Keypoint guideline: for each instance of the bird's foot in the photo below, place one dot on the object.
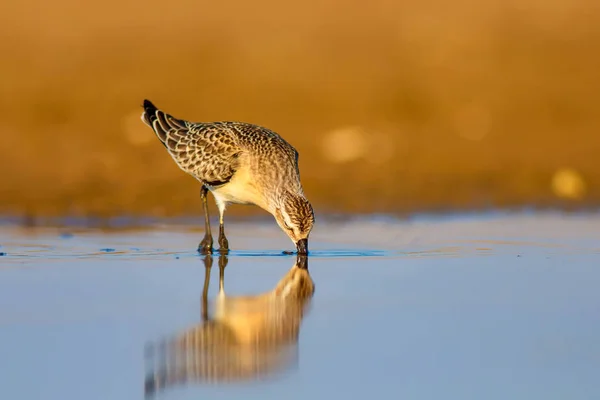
(205, 246)
(205, 250)
(224, 245)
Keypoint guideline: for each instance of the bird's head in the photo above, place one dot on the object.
(295, 217)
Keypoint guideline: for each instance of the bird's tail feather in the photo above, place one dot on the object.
(160, 122)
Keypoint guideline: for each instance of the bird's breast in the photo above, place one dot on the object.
(241, 189)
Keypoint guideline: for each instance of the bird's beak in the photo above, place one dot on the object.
(302, 246)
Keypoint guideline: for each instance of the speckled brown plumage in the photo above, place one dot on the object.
(239, 163)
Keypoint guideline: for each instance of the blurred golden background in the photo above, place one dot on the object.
(393, 106)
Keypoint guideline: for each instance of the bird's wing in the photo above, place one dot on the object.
(264, 141)
(206, 151)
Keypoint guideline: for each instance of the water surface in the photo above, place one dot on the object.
(462, 308)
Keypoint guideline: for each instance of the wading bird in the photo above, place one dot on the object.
(238, 163)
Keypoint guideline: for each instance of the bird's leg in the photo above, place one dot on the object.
(207, 267)
(205, 246)
(223, 242)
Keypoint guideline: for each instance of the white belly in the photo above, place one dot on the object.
(240, 190)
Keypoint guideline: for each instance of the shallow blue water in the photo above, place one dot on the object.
(456, 310)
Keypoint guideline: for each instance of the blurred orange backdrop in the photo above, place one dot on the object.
(393, 106)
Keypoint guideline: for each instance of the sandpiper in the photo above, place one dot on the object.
(238, 163)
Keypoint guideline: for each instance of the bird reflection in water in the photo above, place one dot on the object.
(246, 338)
